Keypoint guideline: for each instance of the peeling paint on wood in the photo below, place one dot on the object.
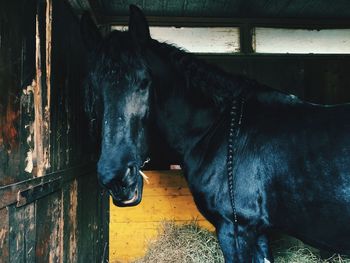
(4, 235)
(9, 145)
(41, 106)
(38, 108)
(57, 232)
(22, 234)
(61, 228)
(8, 130)
(42, 215)
(47, 116)
(27, 108)
(48, 248)
(38, 191)
(9, 194)
(73, 207)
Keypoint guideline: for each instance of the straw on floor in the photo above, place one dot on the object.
(190, 243)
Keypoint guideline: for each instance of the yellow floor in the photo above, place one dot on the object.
(167, 197)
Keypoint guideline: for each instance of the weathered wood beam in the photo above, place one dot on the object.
(30, 190)
(80, 6)
(220, 21)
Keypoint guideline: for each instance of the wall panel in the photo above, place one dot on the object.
(51, 206)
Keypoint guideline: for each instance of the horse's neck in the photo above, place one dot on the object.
(183, 124)
(201, 92)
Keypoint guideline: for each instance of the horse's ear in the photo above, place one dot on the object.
(89, 32)
(138, 25)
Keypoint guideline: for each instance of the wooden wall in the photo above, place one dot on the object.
(316, 78)
(51, 208)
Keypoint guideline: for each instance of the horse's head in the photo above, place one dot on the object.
(120, 83)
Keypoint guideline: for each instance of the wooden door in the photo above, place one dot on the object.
(51, 207)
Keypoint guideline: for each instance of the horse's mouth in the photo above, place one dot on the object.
(134, 200)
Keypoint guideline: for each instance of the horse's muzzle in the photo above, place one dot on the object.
(128, 196)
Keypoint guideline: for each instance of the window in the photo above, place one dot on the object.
(197, 39)
(301, 41)
(268, 40)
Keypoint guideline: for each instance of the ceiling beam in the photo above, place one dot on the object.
(212, 21)
(80, 6)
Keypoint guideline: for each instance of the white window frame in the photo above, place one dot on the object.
(207, 40)
(301, 41)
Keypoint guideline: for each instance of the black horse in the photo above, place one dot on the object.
(255, 158)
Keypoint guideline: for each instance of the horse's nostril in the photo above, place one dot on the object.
(128, 171)
(131, 169)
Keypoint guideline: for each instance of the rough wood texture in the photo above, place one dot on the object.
(70, 217)
(319, 79)
(51, 208)
(17, 70)
(225, 8)
(48, 240)
(167, 197)
(22, 233)
(4, 235)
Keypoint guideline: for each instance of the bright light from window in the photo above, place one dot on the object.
(302, 41)
(197, 39)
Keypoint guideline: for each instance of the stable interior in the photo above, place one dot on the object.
(51, 206)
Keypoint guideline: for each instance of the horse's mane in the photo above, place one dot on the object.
(204, 78)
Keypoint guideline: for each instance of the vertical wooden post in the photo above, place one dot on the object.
(246, 39)
(41, 105)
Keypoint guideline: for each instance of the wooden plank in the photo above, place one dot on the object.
(4, 235)
(9, 193)
(22, 233)
(178, 21)
(103, 225)
(166, 178)
(88, 224)
(81, 207)
(17, 21)
(166, 191)
(167, 195)
(102, 231)
(36, 192)
(157, 208)
(166, 183)
(50, 224)
(41, 123)
(38, 230)
(80, 6)
(70, 217)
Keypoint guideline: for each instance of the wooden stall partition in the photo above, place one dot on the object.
(51, 207)
(320, 79)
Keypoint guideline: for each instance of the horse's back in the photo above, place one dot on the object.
(305, 151)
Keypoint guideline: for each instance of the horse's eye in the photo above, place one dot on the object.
(144, 84)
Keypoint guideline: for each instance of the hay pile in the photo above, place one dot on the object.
(305, 255)
(183, 244)
(190, 243)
